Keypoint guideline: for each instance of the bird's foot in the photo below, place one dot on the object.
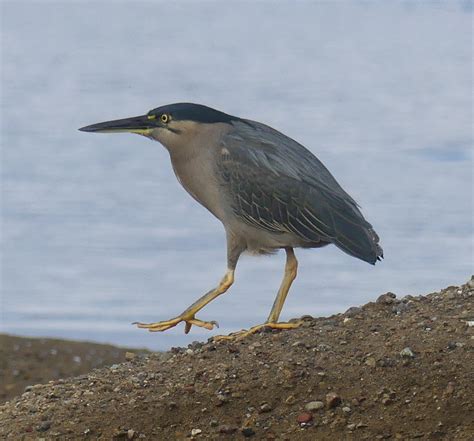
(240, 335)
(167, 324)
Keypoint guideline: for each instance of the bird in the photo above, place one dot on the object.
(269, 191)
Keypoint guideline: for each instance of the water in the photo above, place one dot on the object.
(97, 233)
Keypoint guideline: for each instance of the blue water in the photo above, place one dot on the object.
(96, 231)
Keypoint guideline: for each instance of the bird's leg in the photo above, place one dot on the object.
(291, 269)
(187, 316)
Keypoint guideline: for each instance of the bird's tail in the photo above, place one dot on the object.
(355, 236)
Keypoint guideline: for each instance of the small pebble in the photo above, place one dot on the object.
(370, 361)
(228, 430)
(130, 355)
(265, 407)
(130, 434)
(346, 409)
(407, 353)
(304, 418)
(450, 388)
(386, 299)
(314, 405)
(248, 432)
(353, 311)
(195, 432)
(400, 308)
(44, 426)
(333, 400)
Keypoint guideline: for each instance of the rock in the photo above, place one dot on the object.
(265, 407)
(450, 388)
(353, 311)
(314, 405)
(400, 308)
(228, 430)
(346, 409)
(44, 426)
(298, 343)
(387, 298)
(195, 432)
(407, 353)
(304, 418)
(130, 355)
(213, 423)
(248, 432)
(370, 361)
(130, 432)
(332, 400)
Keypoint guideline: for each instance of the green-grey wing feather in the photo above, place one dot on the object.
(278, 185)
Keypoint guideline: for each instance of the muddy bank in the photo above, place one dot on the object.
(26, 361)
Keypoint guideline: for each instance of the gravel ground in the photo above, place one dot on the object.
(392, 369)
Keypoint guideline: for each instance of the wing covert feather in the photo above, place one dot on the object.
(278, 185)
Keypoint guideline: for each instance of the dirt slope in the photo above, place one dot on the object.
(393, 369)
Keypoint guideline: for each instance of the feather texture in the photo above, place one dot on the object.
(278, 185)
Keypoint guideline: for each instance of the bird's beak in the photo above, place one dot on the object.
(142, 125)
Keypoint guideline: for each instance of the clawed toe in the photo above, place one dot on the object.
(165, 325)
(240, 335)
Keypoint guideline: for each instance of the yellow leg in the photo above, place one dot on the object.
(188, 315)
(291, 269)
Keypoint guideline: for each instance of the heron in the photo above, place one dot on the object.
(269, 192)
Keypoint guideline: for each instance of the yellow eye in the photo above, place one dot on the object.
(164, 118)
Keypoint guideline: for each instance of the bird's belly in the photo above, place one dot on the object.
(261, 241)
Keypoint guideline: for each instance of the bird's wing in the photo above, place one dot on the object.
(277, 184)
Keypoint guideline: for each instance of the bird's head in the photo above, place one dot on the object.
(170, 125)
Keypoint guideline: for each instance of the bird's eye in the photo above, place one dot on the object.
(165, 118)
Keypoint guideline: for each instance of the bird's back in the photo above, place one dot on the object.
(277, 185)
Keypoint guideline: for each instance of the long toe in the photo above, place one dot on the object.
(240, 335)
(167, 324)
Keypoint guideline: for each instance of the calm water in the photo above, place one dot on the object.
(97, 233)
